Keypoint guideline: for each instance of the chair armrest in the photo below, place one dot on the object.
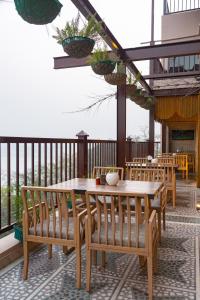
(82, 213)
(152, 217)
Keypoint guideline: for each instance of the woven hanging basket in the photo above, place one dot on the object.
(38, 12)
(148, 104)
(116, 78)
(140, 100)
(103, 67)
(78, 46)
(130, 90)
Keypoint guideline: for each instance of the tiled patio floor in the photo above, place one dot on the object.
(177, 276)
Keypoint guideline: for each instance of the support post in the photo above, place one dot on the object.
(151, 69)
(151, 131)
(121, 125)
(163, 138)
(82, 154)
(129, 156)
(198, 152)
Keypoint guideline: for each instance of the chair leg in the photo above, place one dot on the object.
(150, 276)
(164, 223)
(88, 269)
(49, 251)
(103, 259)
(174, 197)
(65, 249)
(142, 261)
(26, 259)
(78, 267)
(155, 260)
(159, 225)
(94, 256)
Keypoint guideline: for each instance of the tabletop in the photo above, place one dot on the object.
(81, 185)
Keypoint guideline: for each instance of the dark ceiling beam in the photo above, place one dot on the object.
(177, 92)
(173, 75)
(85, 7)
(137, 54)
(163, 50)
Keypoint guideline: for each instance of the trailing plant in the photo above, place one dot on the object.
(73, 28)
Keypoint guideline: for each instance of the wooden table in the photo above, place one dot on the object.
(81, 185)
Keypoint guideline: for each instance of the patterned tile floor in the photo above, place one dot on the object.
(177, 276)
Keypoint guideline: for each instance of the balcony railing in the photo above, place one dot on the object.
(46, 161)
(174, 6)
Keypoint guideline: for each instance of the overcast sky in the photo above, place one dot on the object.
(34, 96)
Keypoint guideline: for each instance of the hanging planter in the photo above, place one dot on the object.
(140, 100)
(38, 12)
(101, 63)
(149, 102)
(117, 78)
(78, 42)
(138, 97)
(103, 67)
(78, 46)
(130, 90)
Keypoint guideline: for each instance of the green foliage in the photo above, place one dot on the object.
(131, 80)
(99, 55)
(73, 28)
(18, 209)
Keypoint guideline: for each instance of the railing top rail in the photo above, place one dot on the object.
(10, 139)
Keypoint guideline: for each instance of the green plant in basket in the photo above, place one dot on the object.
(118, 77)
(78, 39)
(101, 63)
(131, 86)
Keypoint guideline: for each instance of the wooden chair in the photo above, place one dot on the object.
(160, 201)
(119, 234)
(104, 170)
(182, 161)
(147, 174)
(166, 160)
(140, 160)
(48, 219)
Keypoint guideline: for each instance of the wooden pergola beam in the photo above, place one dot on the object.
(172, 75)
(85, 7)
(177, 92)
(137, 54)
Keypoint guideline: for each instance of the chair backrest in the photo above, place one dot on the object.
(166, 160)
(182, 161)
(140, 160)
(48, 212)
(114, 225)
(147, 174)
(104, 170)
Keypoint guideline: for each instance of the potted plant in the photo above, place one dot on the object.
(78, 41)
(131, 86)
(18, 228)
(117, 78)
(149, 102)
(112, 177)
(138, 98)
(38, 12)
(101, 63)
